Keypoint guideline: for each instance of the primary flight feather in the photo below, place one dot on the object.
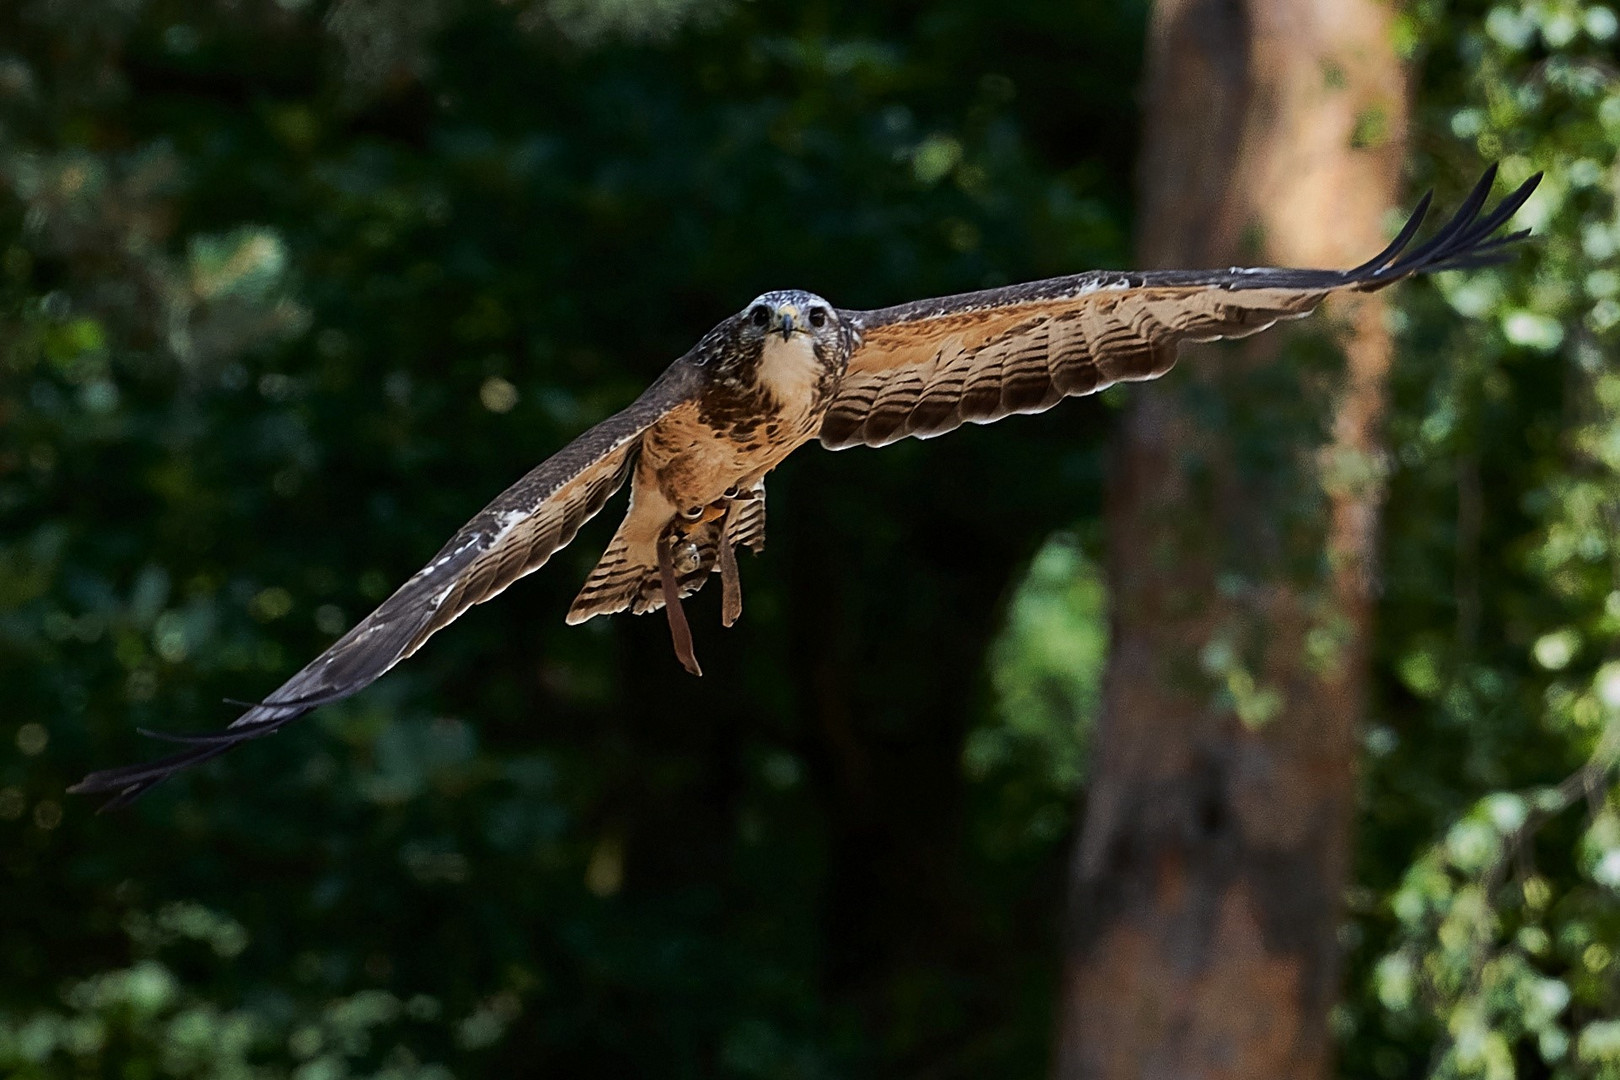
(788, 368)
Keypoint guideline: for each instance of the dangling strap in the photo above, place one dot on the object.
(679, 631)
(730, 580)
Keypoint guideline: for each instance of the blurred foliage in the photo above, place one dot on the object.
(288, 289)
(1486, 918)
(1046, 668)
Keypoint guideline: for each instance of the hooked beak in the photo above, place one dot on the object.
(789, 316)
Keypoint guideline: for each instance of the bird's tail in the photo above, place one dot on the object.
(626, 577)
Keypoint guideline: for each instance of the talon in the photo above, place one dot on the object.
(693, 513)
(731, 492)
(688, 558)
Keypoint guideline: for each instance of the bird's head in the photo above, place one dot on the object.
(786, 313)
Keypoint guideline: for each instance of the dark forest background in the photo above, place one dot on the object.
(289, 289)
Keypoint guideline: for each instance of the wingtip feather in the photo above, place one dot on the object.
(1466, 240)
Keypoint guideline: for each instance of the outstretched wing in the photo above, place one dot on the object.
(511, 537)
(927, 367)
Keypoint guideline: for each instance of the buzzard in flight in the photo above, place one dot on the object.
(789, 368)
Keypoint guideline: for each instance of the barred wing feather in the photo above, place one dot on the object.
(924, 368)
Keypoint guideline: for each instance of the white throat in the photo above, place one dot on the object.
(789, 370)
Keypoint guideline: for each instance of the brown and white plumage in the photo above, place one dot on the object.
(929, 366)
(789, 368)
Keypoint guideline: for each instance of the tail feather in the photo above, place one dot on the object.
(747, 527)
(626, 577)
(617, 580)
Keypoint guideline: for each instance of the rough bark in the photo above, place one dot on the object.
(1208, 876)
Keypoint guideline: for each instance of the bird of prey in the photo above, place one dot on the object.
(789, 368)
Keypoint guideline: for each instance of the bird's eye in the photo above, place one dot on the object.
(760, 315)
(818, 317)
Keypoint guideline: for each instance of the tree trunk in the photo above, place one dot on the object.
(1208, 877)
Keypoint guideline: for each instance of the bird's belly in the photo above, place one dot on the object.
(694, 459)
